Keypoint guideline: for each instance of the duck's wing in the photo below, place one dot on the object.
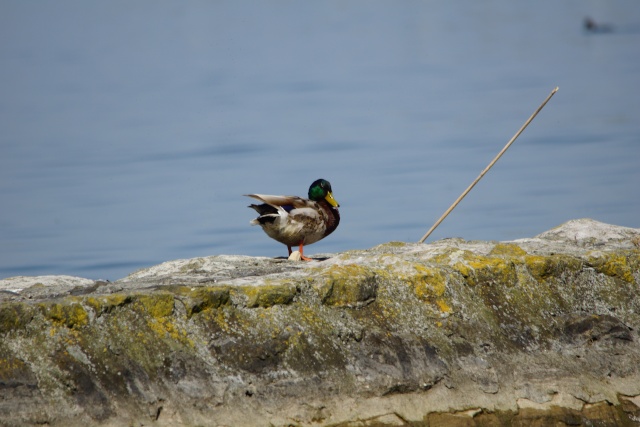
(294, 202)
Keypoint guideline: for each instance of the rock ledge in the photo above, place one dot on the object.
(537, 331)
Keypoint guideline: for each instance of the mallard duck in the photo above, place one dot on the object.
(295, 221)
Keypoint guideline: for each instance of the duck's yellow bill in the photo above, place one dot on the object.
(329, 198)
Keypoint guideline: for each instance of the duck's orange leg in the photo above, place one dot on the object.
(302, 257)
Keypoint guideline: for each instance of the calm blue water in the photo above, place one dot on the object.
(129, 131)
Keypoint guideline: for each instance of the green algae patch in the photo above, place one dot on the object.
(14, 316)
(620, 265)
(69, 314)
(268, 295)
(507, 250)
(348, 286)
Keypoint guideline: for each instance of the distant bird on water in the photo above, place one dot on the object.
(594, 27)
(296, 221)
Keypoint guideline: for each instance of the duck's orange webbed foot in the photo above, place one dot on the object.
(300, 252)
(302, 257)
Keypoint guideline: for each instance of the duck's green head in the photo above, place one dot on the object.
(321, 189)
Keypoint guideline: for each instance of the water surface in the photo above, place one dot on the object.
(130, 131)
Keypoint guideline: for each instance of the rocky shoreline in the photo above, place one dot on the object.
(538, 331)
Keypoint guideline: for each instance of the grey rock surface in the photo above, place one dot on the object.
(449, 333)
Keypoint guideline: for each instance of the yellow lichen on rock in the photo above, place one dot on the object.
(448, 332)
(347, 285)
(618, 265)
(106, 303)
(428, 283)
(65, 314)
(268, 295)
(478, 269)
(9, 366)
(507, 250)
(157, 305)
(167, 328)
(551, 266)
(443, 306)
(14, 316)
(158, 309)
(198, 299)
